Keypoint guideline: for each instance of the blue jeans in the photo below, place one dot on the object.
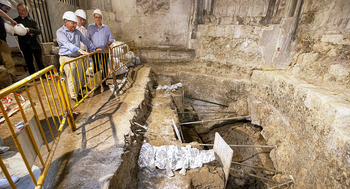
(1, 142)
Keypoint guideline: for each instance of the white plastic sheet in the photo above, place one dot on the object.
(165, 87)
(175, 157)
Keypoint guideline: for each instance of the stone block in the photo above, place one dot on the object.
(47, 47)
(336, 39)
(220, 31)
(5, 78)
(51, 60)
(55, 50)
(166, 55)
(19, 60)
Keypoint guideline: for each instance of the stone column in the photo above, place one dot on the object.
(83, 4)
(94, 4)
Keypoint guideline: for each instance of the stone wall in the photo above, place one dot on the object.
(323, 51)
(290, 66)
(56, 10)
(150, 23)
(310, 125)
(248, 35)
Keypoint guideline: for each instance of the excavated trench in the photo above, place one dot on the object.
(236, 132)
(155, 107)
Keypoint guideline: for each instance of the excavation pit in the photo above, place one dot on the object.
(169, 105)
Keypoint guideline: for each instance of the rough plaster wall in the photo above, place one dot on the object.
(240, 7)
(310, 125)
(234, 47)
(233, 36)
(56, 10)
(153, 23)
(323, 51)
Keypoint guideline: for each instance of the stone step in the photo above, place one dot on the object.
(174, 55)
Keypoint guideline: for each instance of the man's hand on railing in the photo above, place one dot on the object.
(107, 47)
(99, 50)
(83, 52)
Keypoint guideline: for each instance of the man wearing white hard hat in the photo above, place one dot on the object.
(101, 36)
(68, 39)
(5, 52)
(29, 43)
(81, 19)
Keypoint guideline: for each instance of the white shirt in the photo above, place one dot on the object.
(83, 31)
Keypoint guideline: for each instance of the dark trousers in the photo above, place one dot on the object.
(28, 57)
(100, 61)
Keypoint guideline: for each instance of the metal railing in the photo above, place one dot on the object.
(87, 73)
(51, 95)
(55, 106)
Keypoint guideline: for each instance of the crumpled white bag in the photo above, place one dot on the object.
(175, 157)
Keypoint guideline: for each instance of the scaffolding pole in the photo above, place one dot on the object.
(245, 146)
(224, 119)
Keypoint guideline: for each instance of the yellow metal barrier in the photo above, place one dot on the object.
(86, 73)
(57, 109)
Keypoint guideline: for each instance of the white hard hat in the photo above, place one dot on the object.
(9, 29)
(80, 13)
(69, 15)
(6, 2)
(97, 11)
(19, 29)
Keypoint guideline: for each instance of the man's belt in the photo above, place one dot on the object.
(70, 56)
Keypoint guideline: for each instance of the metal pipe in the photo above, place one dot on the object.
(140, 125)
(246, 146)
(18, 144)
(49, 158)
(224, 119)
(49, 105)
(7, 174)
(206, 101)
(252, 175)
(43, 108)
(37, 117)
(53, 99)
(58, 96)
(278, 172)
(207, 112)
(286, 183)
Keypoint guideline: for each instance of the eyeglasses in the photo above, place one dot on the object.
(99, 17)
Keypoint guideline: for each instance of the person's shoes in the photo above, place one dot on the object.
(4, 149)
(4, 183)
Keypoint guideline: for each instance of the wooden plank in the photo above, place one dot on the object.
(225, 154)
